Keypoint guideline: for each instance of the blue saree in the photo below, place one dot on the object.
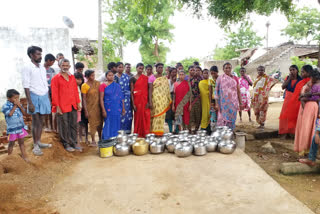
(113, 105)
(126, 120)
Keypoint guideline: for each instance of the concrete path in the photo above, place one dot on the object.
(214, 183)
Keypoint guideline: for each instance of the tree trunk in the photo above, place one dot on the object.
(100, 57)
(121, 51)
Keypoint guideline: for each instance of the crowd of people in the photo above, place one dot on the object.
(80, 105)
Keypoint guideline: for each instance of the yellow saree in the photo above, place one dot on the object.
(205, 103)
(161, 100)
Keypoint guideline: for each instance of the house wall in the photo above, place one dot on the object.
(13, 45)
(219, 63)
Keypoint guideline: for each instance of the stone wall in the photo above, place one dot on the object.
(13, 45)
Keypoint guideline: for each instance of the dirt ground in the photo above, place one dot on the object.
(27, 188)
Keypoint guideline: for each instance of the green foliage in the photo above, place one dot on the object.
(228, 11)
(237, 70)
(296, 61)
(245, 37)
(108, 52)
(186, 62)
(151, 30)
(304, 24)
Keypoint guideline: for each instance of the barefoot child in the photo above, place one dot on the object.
(14, 112)
(81, 125)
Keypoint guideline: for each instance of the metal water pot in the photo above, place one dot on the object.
(212, 145)
(157, 147)
(183, 149)
(170, 144)
(122, 137)
(227, 146)
(200, 149)
(228, 135)
(121, 149)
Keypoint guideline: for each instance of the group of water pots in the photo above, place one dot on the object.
(182, 145)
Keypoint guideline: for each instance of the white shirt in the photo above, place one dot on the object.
(102, 78)
(35, 78)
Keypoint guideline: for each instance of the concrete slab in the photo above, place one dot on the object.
(214, 183)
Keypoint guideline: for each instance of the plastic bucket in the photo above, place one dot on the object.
(106, 147)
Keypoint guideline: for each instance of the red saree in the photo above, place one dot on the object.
(182, 93)
(142, 115)
(293, 105)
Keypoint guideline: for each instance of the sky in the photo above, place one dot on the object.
(193, 37)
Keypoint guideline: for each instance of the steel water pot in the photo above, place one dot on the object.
(227, 147)
(157, 147)
(212, 145)
(183, 149)
(200, 149)
(121, 149)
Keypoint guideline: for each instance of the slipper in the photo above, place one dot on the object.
(307, 161)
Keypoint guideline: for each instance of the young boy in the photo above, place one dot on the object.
(16, 129)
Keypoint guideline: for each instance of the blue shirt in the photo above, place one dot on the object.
(15, 123)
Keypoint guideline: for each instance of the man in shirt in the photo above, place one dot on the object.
(35, 84)
(49, 60)
(66, 102)
(127, 68)
(112, 66)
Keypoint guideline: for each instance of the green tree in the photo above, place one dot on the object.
(186, 62)
(298, 62)
(129, 24)
(304, 24)
(108, 52)
(245, 37)
(228, 11)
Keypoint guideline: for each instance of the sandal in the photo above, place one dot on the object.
(307, 161)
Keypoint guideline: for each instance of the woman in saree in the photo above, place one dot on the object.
(140, 102)
(306, 116)
(161, 100)
(181, 101)
(289, 85)
(260, 101)
(244, 83)
(227, 96)
(112, 105)
(91, 105)
(205, 102)
(123, 80)
(195, 101)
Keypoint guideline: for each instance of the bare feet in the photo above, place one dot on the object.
(93, 144)
(307, 161)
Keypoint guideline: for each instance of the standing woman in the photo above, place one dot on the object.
(124, 81)
(212, 87)
(205, 101)
(140, 101)
(181, 101)
(91, 105)
(228, 98)
(170, 113)
(195, 101)
(149, 71)
(261, 89)
(289, 85)
(112, 105)
(161, 100)
(306, 121)
(244, 83)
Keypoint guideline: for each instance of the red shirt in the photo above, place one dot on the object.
(64, 93)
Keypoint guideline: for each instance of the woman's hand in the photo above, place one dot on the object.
(150, 105)
(104, 114)
(86, 114)
(173, 109)
(123, 112)
(135, 107)
(190, 107)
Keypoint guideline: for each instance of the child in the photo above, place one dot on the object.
(212, 86)
(314, 94)
(82, 121)
(16, 128)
